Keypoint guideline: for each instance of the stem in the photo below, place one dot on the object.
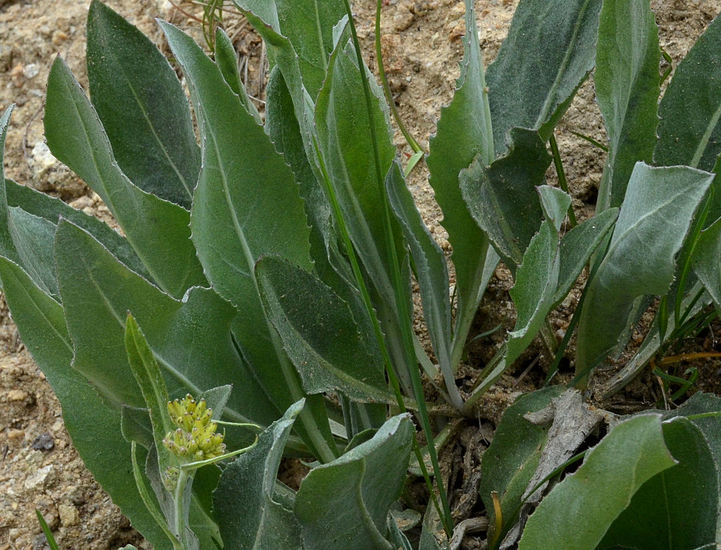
(562, 181)
(179, 507)
(386, 87)
(397, 282)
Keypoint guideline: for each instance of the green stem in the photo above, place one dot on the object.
(386, 87)
(398, 286)
(179, 507)
(562, 181)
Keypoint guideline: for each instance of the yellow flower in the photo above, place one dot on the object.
(196, 436)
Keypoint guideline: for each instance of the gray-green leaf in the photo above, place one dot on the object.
(548, 53)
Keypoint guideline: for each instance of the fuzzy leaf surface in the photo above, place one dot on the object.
(640, 261)
(97, 293)
(631, 454)
(548, 53)
(345, 503)
(319, 334)
(141, 104)
(502, 198)
(158, 230)
(676, 509)
(627, 90)
(249, 516)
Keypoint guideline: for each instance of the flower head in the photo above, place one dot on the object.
(196, 436)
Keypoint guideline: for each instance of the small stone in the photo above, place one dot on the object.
(42, 158)
(68, 515)
(40, 478)
(17, 395)
(43, 442)
(31, 70)
(16, 435)
(59, 37)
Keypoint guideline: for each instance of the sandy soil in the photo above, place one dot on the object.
(421, 47)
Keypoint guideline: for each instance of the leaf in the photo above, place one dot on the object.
(431, 272)
(464, 131)
(227, 61)
(677, 508)
(347, 151)
(689, 131)
(502, 198)
(319, 334)
(705, 262)
(52, 209)
(345, 503)
(555, 204)
(612, 472)
(157, 230)
(246, 205)
(249, 516)
(578, 245)
(308, 26)
(92, 425)
(627, 91)
(33, 240)
(141, 104)
(511, 460)
(149, 378)
(190, 339)
(652, 224)
(536, 283)
(548, 53)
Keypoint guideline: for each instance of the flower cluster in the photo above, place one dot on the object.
(196, 437)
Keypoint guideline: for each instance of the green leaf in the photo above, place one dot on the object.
(52, 209)
(578, 245)
(627, 91)
(247, 203)
(431, 272)
(249, 516)
(319, 334)
(652, 224)
(191, 339)
(345, 503)
(502, 198)
(555, 204)
(33, 240)
(149, 378)
(93, 426)
(347, 151)
(536, 283)
(157, 230)
(142, 106)
(548, 53)
(705, 260)
(510, 462)
(308, 26)
(227, 61)
(464, 131)
(677, 508)
(631, 454)
(690, 131)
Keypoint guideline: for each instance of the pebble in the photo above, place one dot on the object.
(68, 515)
(43, 442)
(16, 435)
(17, 395)
(39, 478)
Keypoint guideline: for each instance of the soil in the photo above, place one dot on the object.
(421, 47)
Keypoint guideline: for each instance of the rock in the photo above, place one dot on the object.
(40, 478)
(17, 395)
(43, 442)
(15, 435)
(68, 515)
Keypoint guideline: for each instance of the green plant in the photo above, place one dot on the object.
(268, 271)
